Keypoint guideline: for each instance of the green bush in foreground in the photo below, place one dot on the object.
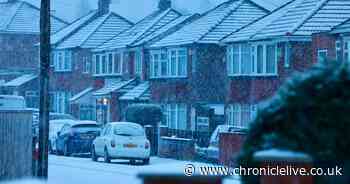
(310, 114)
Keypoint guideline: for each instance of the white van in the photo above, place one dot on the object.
(11, 102)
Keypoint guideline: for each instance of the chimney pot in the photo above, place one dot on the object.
(103, 6)
(164, 4)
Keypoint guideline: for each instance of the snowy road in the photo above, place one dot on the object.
(74, 170)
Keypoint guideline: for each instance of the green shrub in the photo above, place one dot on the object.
(310, 114)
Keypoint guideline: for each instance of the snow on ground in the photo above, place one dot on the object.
(73, 170)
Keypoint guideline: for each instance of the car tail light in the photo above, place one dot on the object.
(112, 143)
(146, 145)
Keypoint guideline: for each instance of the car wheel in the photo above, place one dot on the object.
(145, 161)
(106, 156)
(93, 154)
(65, 150)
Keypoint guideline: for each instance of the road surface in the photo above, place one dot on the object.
(76, 170)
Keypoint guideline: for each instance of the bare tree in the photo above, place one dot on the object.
(44, 88)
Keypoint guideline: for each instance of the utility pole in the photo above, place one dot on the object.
(44, 88)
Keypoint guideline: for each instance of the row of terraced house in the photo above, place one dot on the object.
(203, 70)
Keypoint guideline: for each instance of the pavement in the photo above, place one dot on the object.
(75, 170)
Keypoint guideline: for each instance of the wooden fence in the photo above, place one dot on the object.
(15, 144)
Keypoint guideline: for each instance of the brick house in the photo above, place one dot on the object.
(71, 67)
(332, 45)
(188, 70)
(120, 64)
(19, 32)
(262, 55)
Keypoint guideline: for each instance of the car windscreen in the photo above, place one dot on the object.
(84, 128)
(129, 130)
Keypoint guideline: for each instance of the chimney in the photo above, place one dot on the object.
(164, 4)
(103, 6)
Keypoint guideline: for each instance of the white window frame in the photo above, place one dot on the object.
(60, 106)
(346, 49)
(107, 66)
(177, 109)
(138, 63)
(254, 59)
(169, 63)
(61, 60)
(319, 51)
(237, 109)
(338, 49)
(87, 65)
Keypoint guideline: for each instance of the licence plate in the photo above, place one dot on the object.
(130, 145)
(86, 136)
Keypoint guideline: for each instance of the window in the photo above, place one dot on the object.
(86, 65)
(175, 116)
(110, 63)
(346, 51)
(138, 63)
(62, 60)
(322, 55)
(172, 63)
(287, 54)
(87, 112)
(117, 63)
(338, 53)
(240, 115)
(61, 102)
(246, 59)
(32, 99)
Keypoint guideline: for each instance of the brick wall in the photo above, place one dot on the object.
(18, 52)
(74, 81)
(324, 41)
(256, 89)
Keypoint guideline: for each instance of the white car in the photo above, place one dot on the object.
(122, 140)
(54, 127)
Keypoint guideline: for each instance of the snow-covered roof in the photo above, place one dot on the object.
(141, 30)
(342, 28)
(81, 94)
(140, 92)
(112, 86)
(22, 17)
(216, 24)
(270, 4)
(182, 20)
(297, 18)
(20, 80)
(90, 31)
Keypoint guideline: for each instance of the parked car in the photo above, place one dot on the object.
(122, 140)
(212, 152)
(54, 128)
(55, 116)
(76, 137)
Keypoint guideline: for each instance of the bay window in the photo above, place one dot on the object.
(171, 63)
(175, 116)
(62, 60)
(86, 65)
(108, 64)
(240, 115)
(250, 60)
